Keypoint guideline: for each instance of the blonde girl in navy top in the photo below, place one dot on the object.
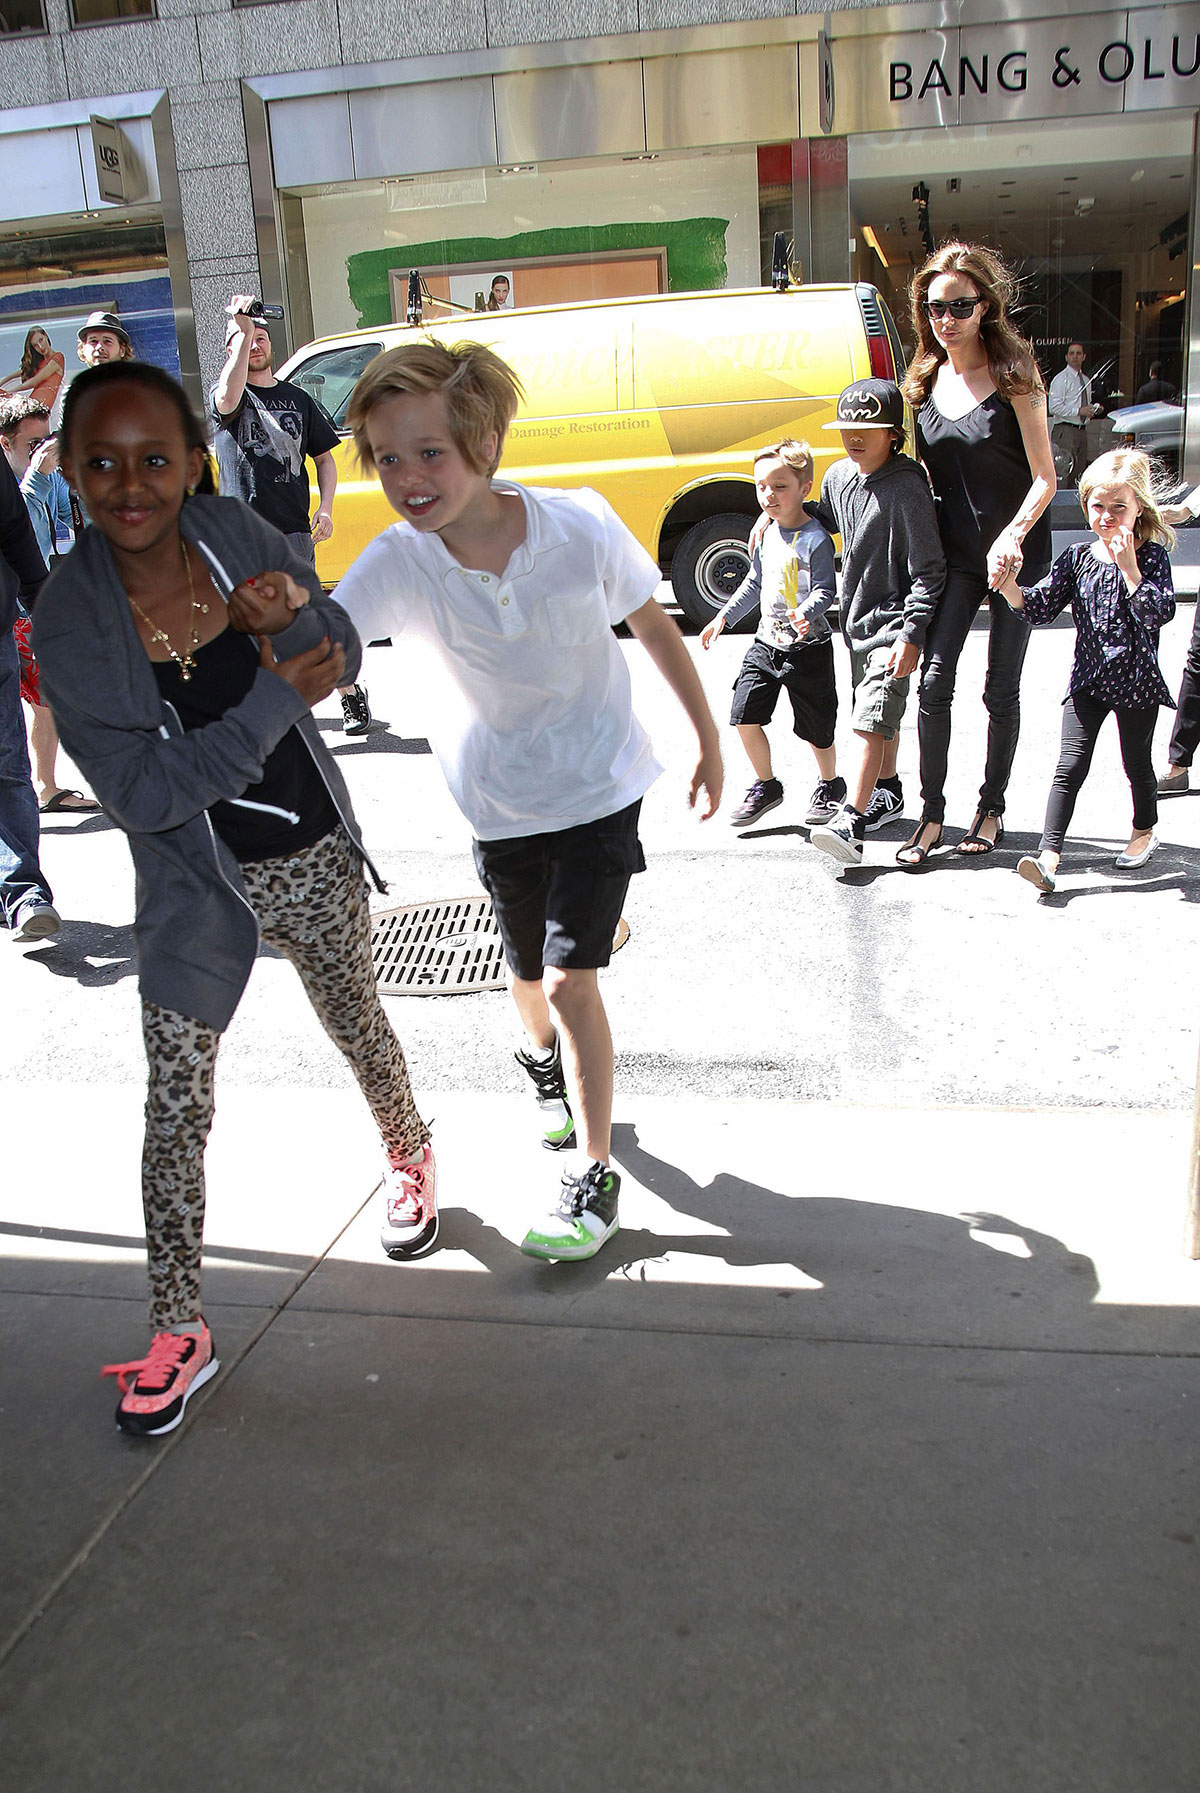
(1120, 591)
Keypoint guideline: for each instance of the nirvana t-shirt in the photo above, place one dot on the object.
(261, 448)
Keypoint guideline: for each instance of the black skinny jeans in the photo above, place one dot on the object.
(1185, 736)
(1083, 718)
(1007, 642)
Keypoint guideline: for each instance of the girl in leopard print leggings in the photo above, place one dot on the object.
(182, 677)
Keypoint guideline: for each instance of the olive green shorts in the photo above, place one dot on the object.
(879, 699)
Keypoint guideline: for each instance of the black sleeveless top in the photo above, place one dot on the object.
(290, 807)
(980, 474)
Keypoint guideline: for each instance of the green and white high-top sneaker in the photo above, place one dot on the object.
(545, 1071)
(585, 1217)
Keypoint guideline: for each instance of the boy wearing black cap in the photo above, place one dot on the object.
(893, 570)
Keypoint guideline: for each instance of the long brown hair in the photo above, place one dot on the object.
(31, 358)
(1011, 360)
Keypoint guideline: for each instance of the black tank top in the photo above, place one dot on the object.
(291, 807)
(980, 474)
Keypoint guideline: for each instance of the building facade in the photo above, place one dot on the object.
(158, 155)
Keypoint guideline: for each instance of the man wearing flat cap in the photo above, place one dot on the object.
(102, 337)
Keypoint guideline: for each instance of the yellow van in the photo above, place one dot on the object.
(659, 403)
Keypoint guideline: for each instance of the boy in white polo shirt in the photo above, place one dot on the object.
(514, 592)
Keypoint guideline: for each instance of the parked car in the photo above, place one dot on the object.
(658, 403)
(1157, 429)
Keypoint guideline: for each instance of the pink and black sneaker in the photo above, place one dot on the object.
(410, 1216)
(156, 1388)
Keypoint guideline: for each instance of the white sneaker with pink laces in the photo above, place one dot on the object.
(410, 1216)
(156, 1388)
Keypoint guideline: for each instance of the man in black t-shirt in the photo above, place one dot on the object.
(265, 430)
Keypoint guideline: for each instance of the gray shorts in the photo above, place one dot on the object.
(879, 699)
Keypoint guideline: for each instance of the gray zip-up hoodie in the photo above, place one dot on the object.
(196, 934)
(893, 568)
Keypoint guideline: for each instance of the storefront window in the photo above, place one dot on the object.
(107, 12)
(55, 279)
(501, 238)
(22, 16)
(1094, 218)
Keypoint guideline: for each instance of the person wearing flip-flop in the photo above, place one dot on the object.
(982, 436)
(32, 453)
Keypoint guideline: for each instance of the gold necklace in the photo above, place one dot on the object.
(187, 661)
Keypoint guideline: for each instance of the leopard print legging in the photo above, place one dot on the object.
(313, 909)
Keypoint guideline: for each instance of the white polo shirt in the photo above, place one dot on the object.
(532, 714)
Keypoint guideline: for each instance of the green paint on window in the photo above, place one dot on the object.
(695, 256)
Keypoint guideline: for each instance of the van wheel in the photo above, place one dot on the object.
(708, 566)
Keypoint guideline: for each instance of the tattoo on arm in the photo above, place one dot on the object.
(1036, 401)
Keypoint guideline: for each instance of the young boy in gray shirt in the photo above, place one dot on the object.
(893, 570)
(792, 579)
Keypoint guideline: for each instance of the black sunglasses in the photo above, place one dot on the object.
(958, 308)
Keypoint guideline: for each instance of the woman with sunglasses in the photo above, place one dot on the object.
(983, 436)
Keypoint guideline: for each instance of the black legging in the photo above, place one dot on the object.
(1007, 642)
(1083, 718)
(1185, 736)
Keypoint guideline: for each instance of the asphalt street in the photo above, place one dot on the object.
(754, 969)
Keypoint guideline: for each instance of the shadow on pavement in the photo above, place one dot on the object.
(63, 823)
(379, 740)
(94, 953)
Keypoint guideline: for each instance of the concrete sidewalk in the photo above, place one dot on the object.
(803, 1483)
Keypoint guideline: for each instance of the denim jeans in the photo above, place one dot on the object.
(20, 874)
(305, 547)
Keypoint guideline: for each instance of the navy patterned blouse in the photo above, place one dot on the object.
(1116, 630)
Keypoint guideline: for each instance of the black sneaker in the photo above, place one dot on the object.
(356, 711)
(887, 803)
(840, 838)
(764, 794)
(558, 1129)
(585, 1217)
(825, 801)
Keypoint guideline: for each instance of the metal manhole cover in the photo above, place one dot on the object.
(444, 949)
(438, 949)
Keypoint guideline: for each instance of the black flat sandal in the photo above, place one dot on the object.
(912, 855)
(981, 847)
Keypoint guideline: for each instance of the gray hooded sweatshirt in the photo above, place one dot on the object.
(196, 934)
(893, 567)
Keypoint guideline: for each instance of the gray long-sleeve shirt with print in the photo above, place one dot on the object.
(792, 578)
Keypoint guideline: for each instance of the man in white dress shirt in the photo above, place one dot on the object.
(1070, 406)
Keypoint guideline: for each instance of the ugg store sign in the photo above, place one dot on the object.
(983, 74)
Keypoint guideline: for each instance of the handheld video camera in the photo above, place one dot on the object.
(257, 309)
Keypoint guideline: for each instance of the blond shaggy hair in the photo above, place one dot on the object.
(1130, 467)
(796, 455)
(482, 395)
